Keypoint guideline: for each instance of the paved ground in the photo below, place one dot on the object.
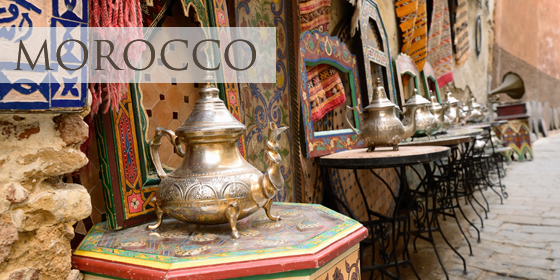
(521, 238)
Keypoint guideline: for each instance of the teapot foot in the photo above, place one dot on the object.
(159, 213)
(266, 207)
(232, 213)
(395, 148)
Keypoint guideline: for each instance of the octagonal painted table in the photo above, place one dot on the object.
(310, 242)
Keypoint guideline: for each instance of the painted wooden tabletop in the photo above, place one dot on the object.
(307, 237)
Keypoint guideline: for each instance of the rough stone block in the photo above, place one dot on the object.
(9, 235)
(54, 204)
(72, 128)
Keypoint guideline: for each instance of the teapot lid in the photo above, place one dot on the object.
(210, 116)
(450, 98)
(434, 105)
(379, 99)
(473, 103)
(416, 100)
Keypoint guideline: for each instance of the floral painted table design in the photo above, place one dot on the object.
(310, 242)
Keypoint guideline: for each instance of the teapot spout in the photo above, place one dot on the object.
(409, 122)
(264, 189)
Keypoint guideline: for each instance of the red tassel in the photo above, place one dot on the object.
(112, 13)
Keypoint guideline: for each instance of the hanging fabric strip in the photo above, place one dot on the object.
(325, 87)
(117, 13)
(440, 49)
(315, 15)
(326, 91)
(413, 24)
(462, 51)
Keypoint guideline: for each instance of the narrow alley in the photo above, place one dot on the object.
(521, 238)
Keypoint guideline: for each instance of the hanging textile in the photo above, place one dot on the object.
(413, 24)
(355, 22)
(325, 87)
(326, 91)
(315, 15)
(461, 42)
(117, 13)
(440, 49)
(153, 12)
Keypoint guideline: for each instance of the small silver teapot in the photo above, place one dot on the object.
(439, 111)
(381, 126)
(476, 114)
(453, 108)
(426, 123)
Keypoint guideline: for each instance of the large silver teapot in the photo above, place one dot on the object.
(381, 126)
(214, 184)
(426, 123)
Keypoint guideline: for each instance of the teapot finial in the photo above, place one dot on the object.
(209, 78)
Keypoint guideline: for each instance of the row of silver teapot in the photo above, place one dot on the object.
(382, 127)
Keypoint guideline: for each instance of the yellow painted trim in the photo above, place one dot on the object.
(196, 263)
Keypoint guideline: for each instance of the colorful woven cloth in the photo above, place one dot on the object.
(462, 51)
(413, 24)
(440, 49)
(315, 15)
(326, 91)
(117, 13)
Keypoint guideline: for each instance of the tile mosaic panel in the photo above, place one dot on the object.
(63, 92)
(376, 48)
(264, 103)
(168, 106)
(516, 135)
(316, 48)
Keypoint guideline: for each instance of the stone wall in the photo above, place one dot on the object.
(37, 209)
(539, 86)
(527, 40)
(474, 74)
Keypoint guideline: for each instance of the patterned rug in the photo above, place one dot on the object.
(462, 51)
(315, 15)
(440, 50)
(326, 91)
(413, 24)
(325, 88)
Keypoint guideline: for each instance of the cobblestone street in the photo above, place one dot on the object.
(520, 239)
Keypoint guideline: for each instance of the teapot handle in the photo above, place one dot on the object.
(355, 108)
(154, 148)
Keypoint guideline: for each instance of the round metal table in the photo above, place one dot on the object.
(410, 201)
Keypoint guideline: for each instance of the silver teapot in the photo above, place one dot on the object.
(452, 108)
(442, 121)
(381, 126)
(426, 123)
(476, 112)
(214, 184)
